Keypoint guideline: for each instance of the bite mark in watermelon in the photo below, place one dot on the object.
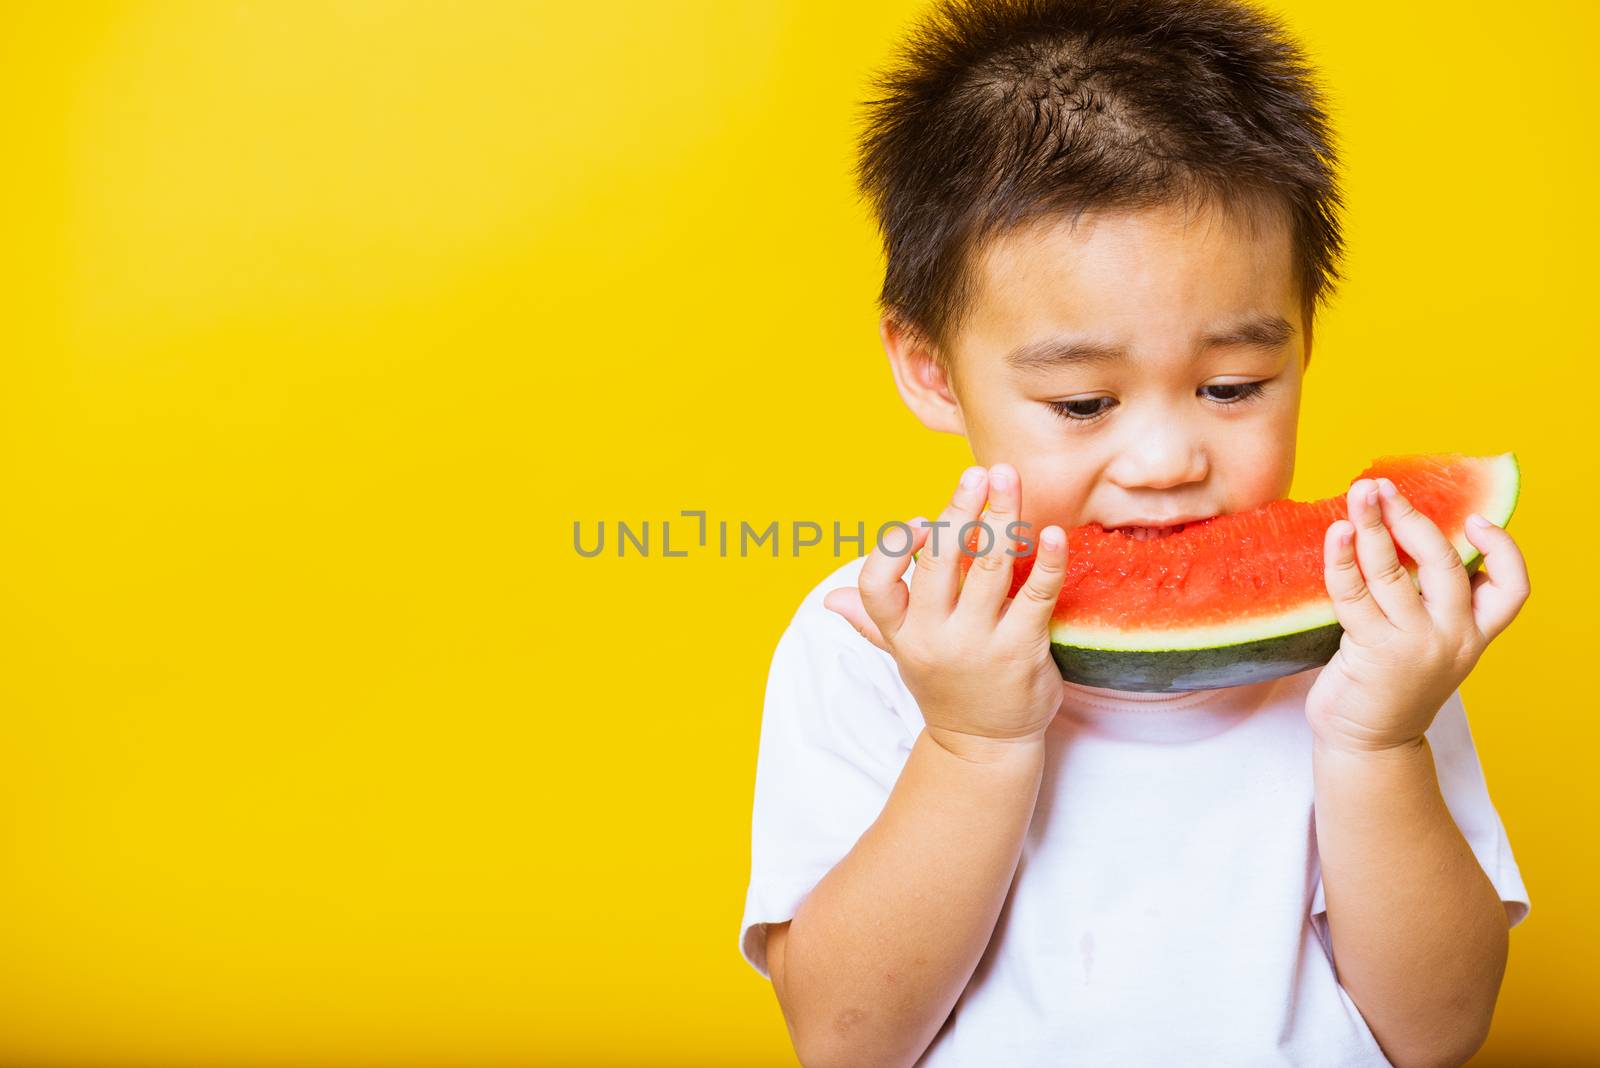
(1240, 598)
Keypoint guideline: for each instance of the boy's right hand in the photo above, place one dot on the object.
(977, 661)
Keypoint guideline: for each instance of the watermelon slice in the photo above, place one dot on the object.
(1240, 598)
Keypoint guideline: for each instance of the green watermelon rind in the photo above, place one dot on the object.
(1219, 657)
(1212, 668)
(1498, 513)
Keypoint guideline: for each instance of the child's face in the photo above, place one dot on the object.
(1149, 422)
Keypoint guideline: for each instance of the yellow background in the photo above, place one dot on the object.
(323, 322)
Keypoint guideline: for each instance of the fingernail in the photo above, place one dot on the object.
(1386, 487)
(1000, 478)
(1051, 538)
(1371, 495)
(1478, 521)
(971, 477)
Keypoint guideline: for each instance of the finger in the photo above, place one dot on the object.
(1391, 584)
(1028, 614)
(988, 582)
(1501, 585)
(1358, 613)
(1445, 589)
(938, 574)
(846, 600)
(883, 597)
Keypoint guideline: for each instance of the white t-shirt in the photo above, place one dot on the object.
(1167, 908)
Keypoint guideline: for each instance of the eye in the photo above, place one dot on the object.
(1074, 410)
(1237, 392)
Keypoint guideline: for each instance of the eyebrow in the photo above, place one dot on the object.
(1257, 331)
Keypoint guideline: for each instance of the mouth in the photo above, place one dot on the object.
(1150, 531)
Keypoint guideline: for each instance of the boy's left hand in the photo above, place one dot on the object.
(1403, 652)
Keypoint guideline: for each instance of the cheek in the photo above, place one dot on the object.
(1264, 481)
(1024, 434)
(1260, 461)
(1056, 469)
(1052, 492)
(1007, 428)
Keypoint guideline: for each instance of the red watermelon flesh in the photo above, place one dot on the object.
(1238, 598)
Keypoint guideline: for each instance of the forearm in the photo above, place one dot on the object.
(880, 950)
(1419, 934)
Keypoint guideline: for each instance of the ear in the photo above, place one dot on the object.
(1308, 320)
(921, 380)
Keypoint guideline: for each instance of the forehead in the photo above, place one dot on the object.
(1173, 268)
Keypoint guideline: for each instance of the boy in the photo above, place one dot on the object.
(1108, 225)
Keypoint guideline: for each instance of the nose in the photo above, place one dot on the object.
(1162, 454)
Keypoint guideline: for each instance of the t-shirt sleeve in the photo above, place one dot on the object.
(1466, 795)
(832, 746)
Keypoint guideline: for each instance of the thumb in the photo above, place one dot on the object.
(846, 601)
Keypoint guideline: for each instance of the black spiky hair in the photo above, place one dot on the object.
(996, 113)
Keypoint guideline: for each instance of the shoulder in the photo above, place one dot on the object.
(846, 574)
(819, 624)
(820, 652)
